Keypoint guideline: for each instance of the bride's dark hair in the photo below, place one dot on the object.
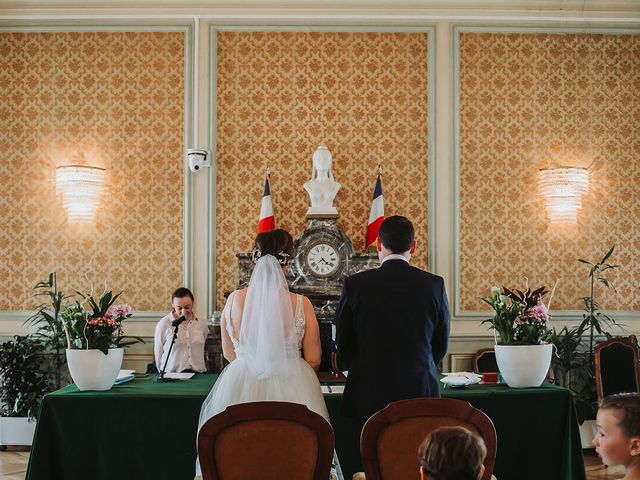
(278, 243)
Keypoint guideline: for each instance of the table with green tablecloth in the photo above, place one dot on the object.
(146, 430)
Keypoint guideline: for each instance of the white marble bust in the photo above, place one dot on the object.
(322, 188)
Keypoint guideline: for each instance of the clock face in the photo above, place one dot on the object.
(323, 260)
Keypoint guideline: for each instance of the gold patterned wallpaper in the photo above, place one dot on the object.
(108, 99)
(281, 94)
(530, 101)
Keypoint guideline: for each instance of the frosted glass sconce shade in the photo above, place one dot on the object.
(80, 187)
(562, 189)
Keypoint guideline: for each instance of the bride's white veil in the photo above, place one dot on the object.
(268, 339)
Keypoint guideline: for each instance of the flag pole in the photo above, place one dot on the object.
(266, 221)
(376, 215)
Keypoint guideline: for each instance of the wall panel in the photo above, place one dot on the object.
(534, 100)
(110, 99)
(280, 94)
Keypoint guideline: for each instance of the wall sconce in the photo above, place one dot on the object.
(563, 188)
(81, 187)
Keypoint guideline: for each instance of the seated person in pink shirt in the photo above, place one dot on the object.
(187, 354)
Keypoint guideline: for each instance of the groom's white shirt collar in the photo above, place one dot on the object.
(394, 256)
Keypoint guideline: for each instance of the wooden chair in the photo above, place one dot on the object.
(266, 440)
(484, 360)
(617, 368)
(391, 437)
(335, 375)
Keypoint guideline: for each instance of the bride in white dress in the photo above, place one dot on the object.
(270, 337)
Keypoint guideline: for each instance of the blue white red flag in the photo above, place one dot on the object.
(267, 220)
(376, 216)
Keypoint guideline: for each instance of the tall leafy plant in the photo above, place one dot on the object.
(48, 327)
(573, 365)
(594, 319)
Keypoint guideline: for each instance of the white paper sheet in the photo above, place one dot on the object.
(179, 376)
(332, 388)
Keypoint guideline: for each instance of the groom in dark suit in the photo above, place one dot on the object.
(392, 327)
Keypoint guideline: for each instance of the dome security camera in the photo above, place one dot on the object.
(197, 159)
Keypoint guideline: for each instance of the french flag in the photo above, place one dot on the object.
(267, 220)
(376, 216)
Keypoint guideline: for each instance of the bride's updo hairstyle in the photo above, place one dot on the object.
(278, 243)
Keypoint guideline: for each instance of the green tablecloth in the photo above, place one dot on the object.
(145, 430)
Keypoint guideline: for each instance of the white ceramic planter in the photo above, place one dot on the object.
(16, 430)
(524, 365)
(92, 369)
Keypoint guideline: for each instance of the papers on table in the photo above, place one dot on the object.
(460, 379)
(179, 376)
(332, 388)
(124, 376)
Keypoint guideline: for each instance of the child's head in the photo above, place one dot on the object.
(278, 243)
(452, 453)
(182, 302)
(617, 440)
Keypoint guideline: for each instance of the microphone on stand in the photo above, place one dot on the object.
(175, 324)
(178, 321)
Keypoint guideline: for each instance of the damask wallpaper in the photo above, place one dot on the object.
(113, 100)
(281, 94)
(530, 101)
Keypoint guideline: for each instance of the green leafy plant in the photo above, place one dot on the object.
(573, 365)
(594, 319)
(520, 317)
(23, 380)
(48, 327)
(61, 322)
(99, 326)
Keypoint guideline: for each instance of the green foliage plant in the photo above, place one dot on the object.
(48, 326)
(23, 380)
(573, 365)
(520, 317)
(98, 326)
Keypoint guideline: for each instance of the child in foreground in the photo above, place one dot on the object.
(452, 453)
(617, 440)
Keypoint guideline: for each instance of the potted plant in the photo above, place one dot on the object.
(89, 331)
(23, 383)
(521, 333)
(574, 367)
(96, 340)
(48, 328)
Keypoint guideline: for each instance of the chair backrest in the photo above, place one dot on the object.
(484, 360)
(266, 440)
(617, 369)
(391, 437)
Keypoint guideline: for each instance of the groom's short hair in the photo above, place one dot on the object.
(396, 234)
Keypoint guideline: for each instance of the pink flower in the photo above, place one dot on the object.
(539, 311)
(120, 311)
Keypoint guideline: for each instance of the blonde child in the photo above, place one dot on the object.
(452, 453)
(617, 440)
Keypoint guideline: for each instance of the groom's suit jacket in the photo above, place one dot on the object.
(392, 331)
